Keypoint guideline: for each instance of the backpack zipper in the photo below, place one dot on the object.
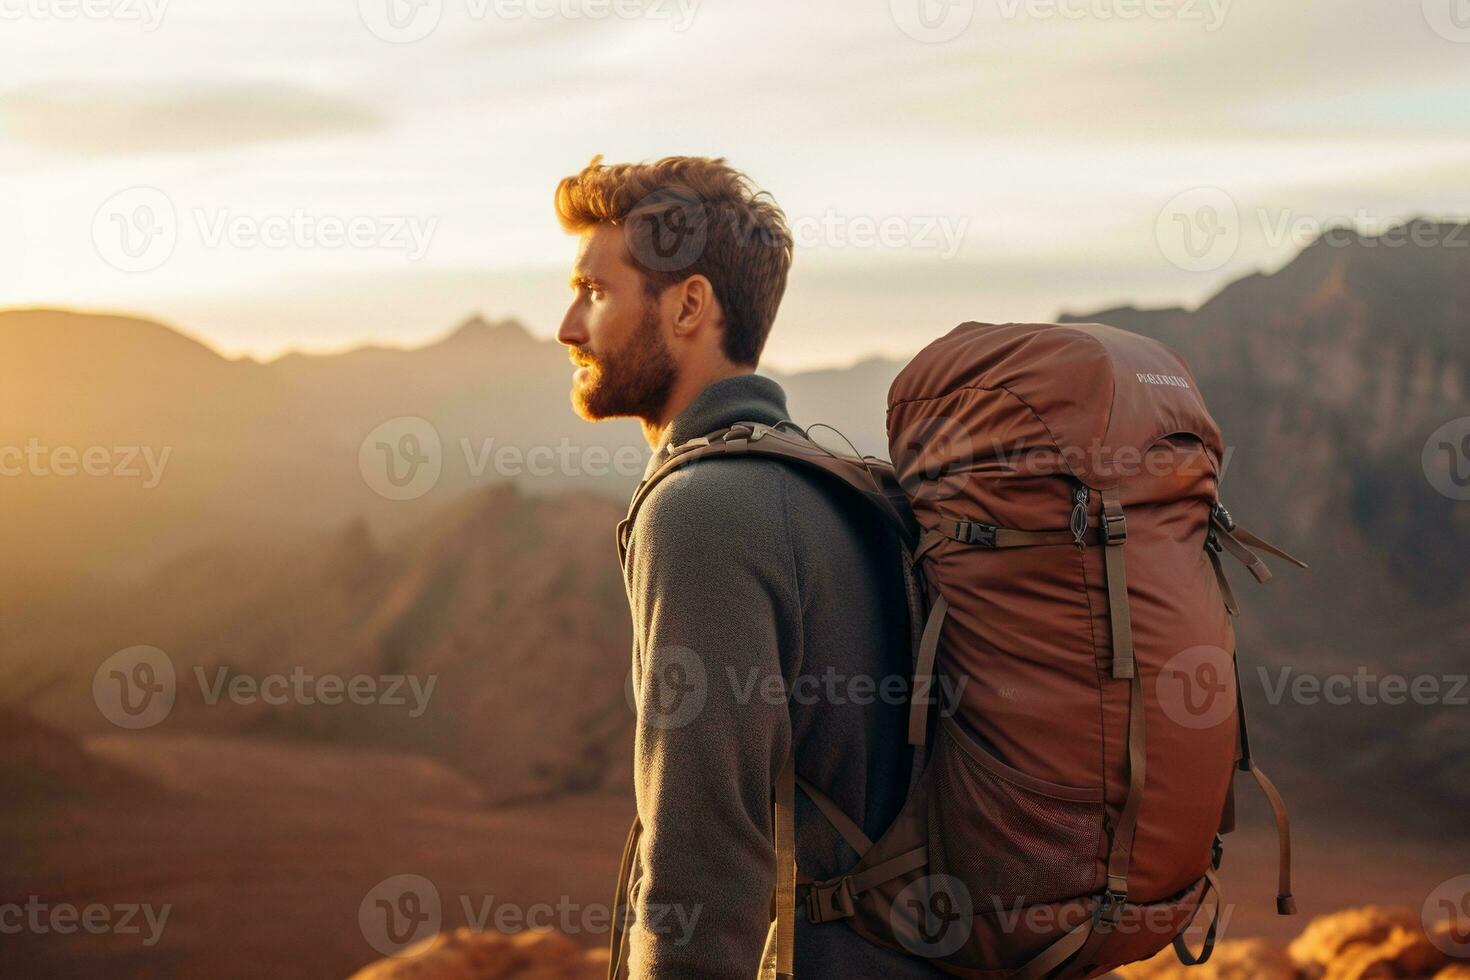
(1079, 515)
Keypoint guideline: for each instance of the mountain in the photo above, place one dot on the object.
(1328, 378)
(268, 545)
(468, 629)
(193, 449)
(190, 448)
(1337, 369)
(40, 764)
(268, 550)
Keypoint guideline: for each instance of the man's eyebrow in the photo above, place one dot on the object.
(584, 281)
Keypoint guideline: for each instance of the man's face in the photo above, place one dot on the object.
(614, 333)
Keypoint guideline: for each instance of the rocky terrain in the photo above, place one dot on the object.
(264, 552)
(1367, 943)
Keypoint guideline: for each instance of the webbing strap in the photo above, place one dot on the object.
(785, 832)
(990, 536)
(841, 822)
(1226, 593)
(1253, 541)
(1285, 902)
(1244, 555)
(1057, 953)
(890, 869)
(1085, 938)
(1238, 541)
(1243, 734)
(1181, 948)
(1114, 533)
(620, 901)
(1121, 851)
(831, 900)
(919, 697)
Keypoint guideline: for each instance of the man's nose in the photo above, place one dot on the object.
(571, 332)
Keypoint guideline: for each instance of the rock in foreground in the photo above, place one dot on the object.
(469, 955)
(1367, 943)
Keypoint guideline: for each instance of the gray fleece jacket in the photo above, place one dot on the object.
(746, 579)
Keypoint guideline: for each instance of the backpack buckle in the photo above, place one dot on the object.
(974, 532)
(684, 447)
(1115, 528)
(1219, 513)
(1109, 910)
(738, 431)
(828, 901)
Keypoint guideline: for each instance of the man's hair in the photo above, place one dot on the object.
(686, 216)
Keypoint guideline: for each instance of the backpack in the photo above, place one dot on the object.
(1055, 489)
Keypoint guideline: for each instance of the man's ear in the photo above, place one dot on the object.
(698, 308)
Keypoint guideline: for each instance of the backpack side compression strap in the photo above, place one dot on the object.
(1226, 536)
(1083, 941)
(1114, 534)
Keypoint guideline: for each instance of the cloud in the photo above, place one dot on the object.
(99, 120)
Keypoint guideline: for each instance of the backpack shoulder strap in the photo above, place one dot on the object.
(870, 478)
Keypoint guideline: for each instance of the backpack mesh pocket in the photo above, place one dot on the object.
(1006, 835)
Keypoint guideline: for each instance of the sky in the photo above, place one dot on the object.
(270, 175)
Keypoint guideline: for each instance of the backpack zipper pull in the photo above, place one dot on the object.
(1079, 515)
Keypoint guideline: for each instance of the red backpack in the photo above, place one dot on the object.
(1056, 491)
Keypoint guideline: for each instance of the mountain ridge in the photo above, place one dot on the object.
(266, 546)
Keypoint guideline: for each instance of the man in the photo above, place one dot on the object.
(747, 579)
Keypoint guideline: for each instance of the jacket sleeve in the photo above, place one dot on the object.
(716, 615)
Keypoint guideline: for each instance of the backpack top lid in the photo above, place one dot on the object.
(1103, 394)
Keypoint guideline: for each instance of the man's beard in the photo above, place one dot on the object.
(634, 380)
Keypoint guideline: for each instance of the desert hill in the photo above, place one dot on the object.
(507, 604)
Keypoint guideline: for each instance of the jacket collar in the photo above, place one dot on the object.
(741, 398)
